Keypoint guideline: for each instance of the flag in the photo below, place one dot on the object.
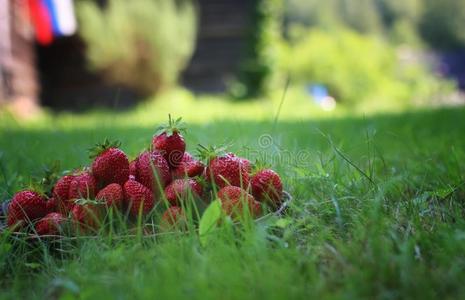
(41, 21)
(52, 18)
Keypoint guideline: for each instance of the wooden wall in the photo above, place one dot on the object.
(18, 58)
(221, 40)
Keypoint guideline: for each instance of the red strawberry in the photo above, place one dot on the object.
(133, 168)
(61, 193)
(50, 224)
(246, 163)
(225, 169)
(61, 188)
(87, 215)
(232, 200)
(25, 207)
(52, 205)
(180, 189)
(170, 142)
(110, 164)
(174, 215)
(112, 194)
(152, 170)
(188, 167)
(138, 197)
(83, 186)
(267, 186)
(187, 157)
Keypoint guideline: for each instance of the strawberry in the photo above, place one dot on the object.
(112, 195)
(87, 215)
(225, 169)
(173, 216)
(133, 168)
(61, 193)
(187, 157)
(180, 189)
(232, 199)
(246, 163)
(138, 197)
(83, 186)
(111, 165)
(188, 167)
(51, 224)
(52, 205)
(170, 142)
(26, 207)
(267, 186)
(153, 171)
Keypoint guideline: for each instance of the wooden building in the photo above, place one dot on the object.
(221, 40)
(61, 72)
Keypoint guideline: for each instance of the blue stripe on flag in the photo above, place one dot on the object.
(53, 16)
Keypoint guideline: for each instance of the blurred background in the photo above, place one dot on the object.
(333, 55)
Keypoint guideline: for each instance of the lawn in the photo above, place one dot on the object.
(378, 212)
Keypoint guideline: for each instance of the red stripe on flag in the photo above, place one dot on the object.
(41, 20)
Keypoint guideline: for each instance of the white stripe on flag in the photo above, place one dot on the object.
(66, 18)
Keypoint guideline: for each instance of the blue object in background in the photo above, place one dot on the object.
(318, 92)
(53, 17)
(62, 17)
(320, 95)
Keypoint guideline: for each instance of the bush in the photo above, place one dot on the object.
(356, 68)
(142, 44)
(443, 23)
(439, 22)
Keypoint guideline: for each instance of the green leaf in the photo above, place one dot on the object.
(33, 265)
(209, 221)
(283, 223)
(444, 192)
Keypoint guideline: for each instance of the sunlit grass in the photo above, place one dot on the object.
(297, 106)
(378, 208)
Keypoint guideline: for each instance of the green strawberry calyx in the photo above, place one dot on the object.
(259, 165)
(206, 154)
(173, 126)
(39, 188)
(99, 148)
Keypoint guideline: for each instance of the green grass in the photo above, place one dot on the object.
(378, 212)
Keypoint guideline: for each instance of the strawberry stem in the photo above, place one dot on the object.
(173, 126)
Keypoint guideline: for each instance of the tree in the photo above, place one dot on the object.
(442, 24)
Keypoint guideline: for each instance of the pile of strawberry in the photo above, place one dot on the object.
(165, 172)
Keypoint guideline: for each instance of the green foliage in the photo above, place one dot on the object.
(361, 15)
(259, 55)
(443, 23)
(393, 11)
(357, 68)
(143, 44)
(439, 22)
